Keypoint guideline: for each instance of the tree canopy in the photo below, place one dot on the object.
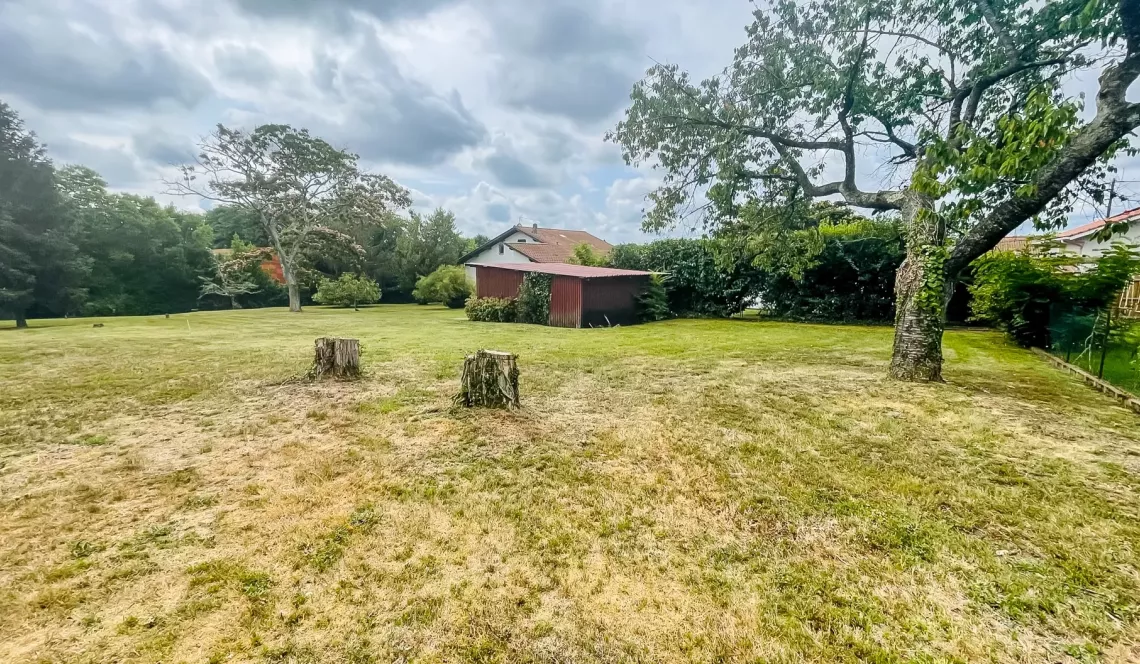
(40, 267)
(296, 184)
(958, 110)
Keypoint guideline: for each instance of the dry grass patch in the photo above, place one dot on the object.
(686, 491)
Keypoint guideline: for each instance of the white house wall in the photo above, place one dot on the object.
(491, 255)
(1091, 247)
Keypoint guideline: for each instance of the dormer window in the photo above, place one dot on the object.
(522, 240)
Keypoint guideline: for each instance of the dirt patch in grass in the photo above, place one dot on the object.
(687, 491)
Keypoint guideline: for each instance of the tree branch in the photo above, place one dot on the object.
(1115, 118)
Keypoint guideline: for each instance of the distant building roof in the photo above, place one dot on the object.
(1012, 243)
(551, 245)
(565, 269)
(1093, 227)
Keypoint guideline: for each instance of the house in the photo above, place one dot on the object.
(1082, 241)
(580, 296)
(531, 244)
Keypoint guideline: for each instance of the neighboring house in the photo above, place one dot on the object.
(1081, 240)
(531, 244)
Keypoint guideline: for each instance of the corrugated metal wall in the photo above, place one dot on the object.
(610, 301)
(566, 302)
(493, 282)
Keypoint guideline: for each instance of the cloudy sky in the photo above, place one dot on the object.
(495, 109)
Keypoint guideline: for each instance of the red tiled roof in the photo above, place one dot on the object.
(1092, 227)
(565, 269)
(551, 245)
(1012, 243)
(543, 253)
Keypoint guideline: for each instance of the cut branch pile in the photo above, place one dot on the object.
(490, 379)
(336, 358)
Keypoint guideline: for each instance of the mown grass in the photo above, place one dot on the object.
(703, 491)
(1121, 367)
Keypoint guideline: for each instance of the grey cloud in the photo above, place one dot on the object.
(247, 64)
(393, 118)
(58, 67)
(162, 148)
(585, 91)
(117, 166)
(338, 13)
(498, 212)
(511, 171)
(566, 60)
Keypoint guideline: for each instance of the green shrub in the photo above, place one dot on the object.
(1044, 297)
(696, 283)
(584, 254)
(652, 301)
(448, 284)
(348, 291)
(534, 298)
(492, 309)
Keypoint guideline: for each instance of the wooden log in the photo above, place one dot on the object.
(490, 379)
(336, 358)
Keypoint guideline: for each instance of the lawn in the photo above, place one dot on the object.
(1121, 367)
(694, 490)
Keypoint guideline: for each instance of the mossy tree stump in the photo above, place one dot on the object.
(490, 379)
(336, 358)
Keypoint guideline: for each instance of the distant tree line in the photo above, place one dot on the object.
(70, 247)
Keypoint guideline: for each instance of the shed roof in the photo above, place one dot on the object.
(565, 270)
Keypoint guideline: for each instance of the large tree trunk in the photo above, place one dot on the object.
(291, 282)
(920, 295)
(21, 321)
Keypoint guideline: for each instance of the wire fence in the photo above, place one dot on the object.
(1103, 342)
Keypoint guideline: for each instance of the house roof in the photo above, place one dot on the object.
(565, 270)
(551, 245)
(1012, 243)
(1092, 227)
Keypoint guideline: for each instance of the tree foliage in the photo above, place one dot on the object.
(144, 258)
(296, 185)
(584, 254)
(424, 244)
(699, 280)
(448, 285)
(653, 301)
(349, 290)
(817, 261)
(962, 108)
(40, 268)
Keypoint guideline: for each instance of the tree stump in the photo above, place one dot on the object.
(490, 379)
(336, 358)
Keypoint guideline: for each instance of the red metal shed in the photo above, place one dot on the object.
(580, 296)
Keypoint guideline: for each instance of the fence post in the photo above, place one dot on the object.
(1104, 342)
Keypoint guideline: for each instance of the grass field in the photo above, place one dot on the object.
(699, 491)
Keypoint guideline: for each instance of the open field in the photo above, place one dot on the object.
(702, 491)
